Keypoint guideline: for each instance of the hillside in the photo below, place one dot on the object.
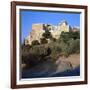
(39, 28)
(62, 67)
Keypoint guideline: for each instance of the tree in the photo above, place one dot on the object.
(34, 55)
(53, 39)
(47, 35)
(64, 37)
(35, 42)
(76, 35)
(43, 41)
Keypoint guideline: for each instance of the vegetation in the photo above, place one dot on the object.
(67, 44)
(43, 41)
(47, 35)
(35, 42)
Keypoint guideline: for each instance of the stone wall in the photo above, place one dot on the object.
(35, 34)
(39, 29)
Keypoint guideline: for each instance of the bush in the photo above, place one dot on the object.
(47, 35)
(34, 55)
(53, 39)
(69, 42)
(55, 50)
(64, 49)
(55, 47)
(30, 59)
(71, 47)
(43, 41)
(74, 46)
(25, 48)
(39, 50)
(76, 35)
(35, 42)
(66, 36)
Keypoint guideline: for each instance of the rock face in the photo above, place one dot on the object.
(46, 69)
(62, 67)
(63, 26)
(73, 59)
(36, 34)
(39, 29)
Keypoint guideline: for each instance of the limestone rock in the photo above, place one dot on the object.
(39, 28)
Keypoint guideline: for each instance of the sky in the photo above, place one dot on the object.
(29, 17)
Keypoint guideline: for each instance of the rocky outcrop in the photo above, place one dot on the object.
(74, 59)
(62, 67)
(47, 69)
(35, 34)
(39, 29)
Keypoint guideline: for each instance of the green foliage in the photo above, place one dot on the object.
(35, 42)
(64, 48)
(43, 41)
(39, 50)
(76, 35)
(74, 46)
(33, 55)
(25, 48)
(66, 36)
(68, 43)
(53, 39)
(55, 50)
(47, 35)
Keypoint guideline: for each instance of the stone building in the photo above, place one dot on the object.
(35, 34)
(39, 29)
(63, 26)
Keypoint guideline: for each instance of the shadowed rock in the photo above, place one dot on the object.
(46, 69)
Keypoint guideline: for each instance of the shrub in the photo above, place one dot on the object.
(55, 50)
(71, 47)
(55, 47)
(30, 59)
(43, 41)
(76, 35)
(38, 50)
(47, 35)
(34, 55)
(53, 39)
(66, 36)
(74, 46)
(64, 49)
(25, 48)
(35, 42)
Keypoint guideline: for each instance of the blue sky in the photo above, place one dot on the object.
(29, 17)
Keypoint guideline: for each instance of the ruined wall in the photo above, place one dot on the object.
(39, 29)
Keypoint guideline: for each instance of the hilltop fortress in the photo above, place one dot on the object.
(39, 29)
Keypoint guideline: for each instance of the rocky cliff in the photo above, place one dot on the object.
(39, 29)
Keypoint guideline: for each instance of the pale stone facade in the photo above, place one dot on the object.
(36, 34)
(39, 29)
(63, 26)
